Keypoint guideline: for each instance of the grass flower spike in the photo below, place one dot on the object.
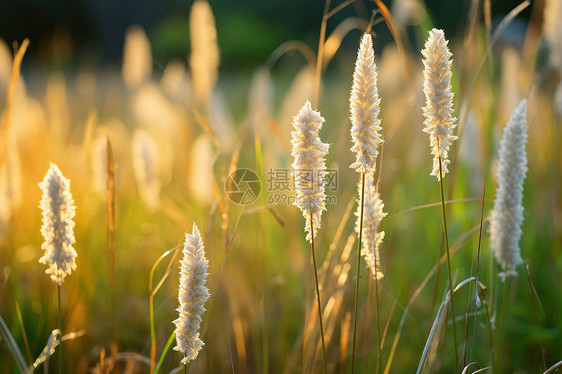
(58, 210)
(373, 215)
(365, 108)
(146, 167)
(309, 166)
(204, 59)
(137, 58)
(439, 98)
(192, 296)
(507, 214)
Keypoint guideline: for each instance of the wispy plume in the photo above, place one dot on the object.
(10, 184)
(507, 214)
(145, 158)
(204, 60)
(137, 57)
(98, 157)
(309, 166)
(438, 109)
(58, 210)
(553, 32)
(372, 217)
(365, 108)
(192, 296)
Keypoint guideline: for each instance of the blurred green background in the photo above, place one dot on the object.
(248, 31)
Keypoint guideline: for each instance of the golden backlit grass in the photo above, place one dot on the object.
(262, 314)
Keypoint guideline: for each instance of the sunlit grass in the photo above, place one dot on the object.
(263, 309)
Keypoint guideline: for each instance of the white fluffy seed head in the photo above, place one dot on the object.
(438, 108)
(553, 32)
(98, 156)
(204, 59)
(10, 184)
(146, 167)
(137, 57)
(507, 214)
(192, 296)
(365, 108)
(372, 217)
(309, 166)
(58, 210)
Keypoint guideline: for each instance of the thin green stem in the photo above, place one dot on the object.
(152, 333)
(502, 322)
(318, 294)
(60, 329)
(379, 341)
(357, 273)
(165, 351)
(263, 237)
(448, 260)
(531, 289)
(185, 367)
(490, 332)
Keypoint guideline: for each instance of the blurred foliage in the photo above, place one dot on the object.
(260, 270)
(249, 30)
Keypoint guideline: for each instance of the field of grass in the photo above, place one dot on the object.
(194, 128)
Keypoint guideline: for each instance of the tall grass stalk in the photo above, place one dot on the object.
(533, 294)
(439, 124)
(502, 323)
(357, 274)
(309, 155)
(364, 105)
(318, 296)
(490, 330)
(476, 288)
(153, 292)
(110, 206)
(438, 318)
(24, 334)
(320, 55)
(443, 210)
(59, 318)
(379, 341)
(263, 265)
(165, 351)
(14, 77)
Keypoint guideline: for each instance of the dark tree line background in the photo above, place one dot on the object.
(248, 31)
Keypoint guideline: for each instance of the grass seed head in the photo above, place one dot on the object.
(372, 217)
(192, 296)
(365, 108)
(438, 110)
(147, 173)
(204, 59)
(507, 214)
(137, 58)
(58, 210)
(309, 166)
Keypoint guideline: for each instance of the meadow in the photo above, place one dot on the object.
(158, 146)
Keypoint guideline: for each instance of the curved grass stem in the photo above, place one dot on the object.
(153, 292)
(357, 273)
(318, 294)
